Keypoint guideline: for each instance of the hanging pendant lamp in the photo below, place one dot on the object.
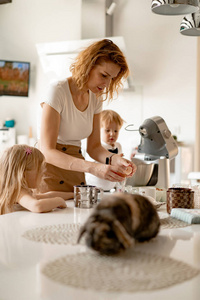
(190, 25)
(174, 7)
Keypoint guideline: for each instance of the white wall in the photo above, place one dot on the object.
(163, 62)
(24, 23)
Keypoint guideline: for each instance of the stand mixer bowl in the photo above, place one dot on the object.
(143, 173)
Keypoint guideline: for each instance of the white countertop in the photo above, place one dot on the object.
(21, 259)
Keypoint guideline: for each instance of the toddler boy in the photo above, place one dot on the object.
(111, 123)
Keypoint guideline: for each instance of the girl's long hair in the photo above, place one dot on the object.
(98, 52)
(13, 164)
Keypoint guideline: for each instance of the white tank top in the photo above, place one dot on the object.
(75, 125)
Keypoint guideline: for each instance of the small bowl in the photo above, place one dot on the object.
(10, 123)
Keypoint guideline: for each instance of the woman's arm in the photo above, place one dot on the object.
(94, 147)
(41, 205)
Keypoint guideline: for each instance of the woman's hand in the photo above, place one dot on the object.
(128, 167)
(114, 173)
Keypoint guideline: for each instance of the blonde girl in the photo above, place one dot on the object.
(70, 112)
(21, 168)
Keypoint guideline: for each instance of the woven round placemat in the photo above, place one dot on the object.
(68, 233)
(54, 234)
(169, 223)
(131, 272)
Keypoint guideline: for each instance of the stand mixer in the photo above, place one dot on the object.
(158, 146)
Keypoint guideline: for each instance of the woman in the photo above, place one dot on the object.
(71, 113)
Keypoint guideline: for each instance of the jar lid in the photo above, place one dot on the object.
(180, 189)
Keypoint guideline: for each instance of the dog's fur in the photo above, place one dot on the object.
(118, 220)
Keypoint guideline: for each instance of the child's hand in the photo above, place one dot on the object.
(61, 201)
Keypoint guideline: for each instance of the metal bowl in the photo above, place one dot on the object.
(143, 173)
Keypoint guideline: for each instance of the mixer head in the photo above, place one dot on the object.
(156, 139)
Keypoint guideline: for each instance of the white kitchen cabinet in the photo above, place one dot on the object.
(7, 138)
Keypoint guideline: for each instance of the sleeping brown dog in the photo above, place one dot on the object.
(118, 220)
